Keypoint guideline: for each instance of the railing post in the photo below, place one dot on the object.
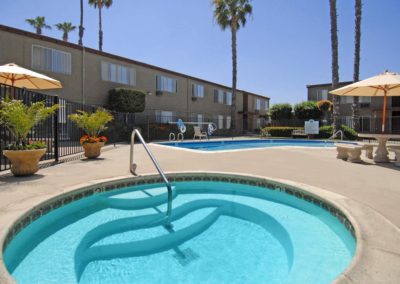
(55, 127)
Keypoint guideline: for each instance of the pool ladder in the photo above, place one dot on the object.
(133, 166)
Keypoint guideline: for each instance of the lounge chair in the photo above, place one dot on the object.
(199, 133)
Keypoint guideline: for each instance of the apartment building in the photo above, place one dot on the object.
(87, 75)
(370, 108)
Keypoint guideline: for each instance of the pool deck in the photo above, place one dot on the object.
(369, 192)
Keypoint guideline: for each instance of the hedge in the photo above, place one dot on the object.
(307, 110)
(349, 133)
(281, 111)
(126, 100)
(278, 131)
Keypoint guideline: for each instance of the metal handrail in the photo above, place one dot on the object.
(336, 133)
(132, 168)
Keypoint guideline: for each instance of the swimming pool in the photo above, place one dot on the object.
(225, 230)
(247, 144)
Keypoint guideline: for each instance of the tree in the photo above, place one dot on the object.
(232, 14)
(81, 28)
(65, 27)
(281, 111)
(99, 4)
(126, 100)
(307, 110)
(357, 47)
(335, 59)
(326, 107)
(38, 23)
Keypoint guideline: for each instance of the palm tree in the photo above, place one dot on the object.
(38, 23)
(81, 28)
(99, 4)
(232, 14)
(357, 47)
(66, 27)
(335, 60)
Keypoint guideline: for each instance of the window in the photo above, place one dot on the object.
(364, 102)
(164, 116)
(258, 123)
(118, 74)
(199, 118)
(365, 124)
(220, 121)
(228, 121)
(166, 84)
(346, 100)
(266, 105)
(48, 59)
(228, 98)
(198, 91)
(395, 101)
(258, 104)
(222, 97)
(322, 95)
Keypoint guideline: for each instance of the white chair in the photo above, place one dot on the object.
(199, 133)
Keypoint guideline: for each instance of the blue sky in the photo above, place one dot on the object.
(284, 46)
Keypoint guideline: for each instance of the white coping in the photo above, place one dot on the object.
(370, 263)
(239, 150)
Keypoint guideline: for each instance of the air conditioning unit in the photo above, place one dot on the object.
(194, 98)
(365, 105)
(159, 93)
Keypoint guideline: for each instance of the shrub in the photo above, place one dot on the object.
(281, 111)
(20, 119)
(307, 110)
(349, 133)
(325, 105)
(92, 123)
(325, 132)
(279, 131)
(126, 100)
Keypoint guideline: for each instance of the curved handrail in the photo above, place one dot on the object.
(132, 169)
(335, 134)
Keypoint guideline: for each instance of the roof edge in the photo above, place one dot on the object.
(116, 57)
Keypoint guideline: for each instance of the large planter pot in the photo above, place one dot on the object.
(92, 150)
(24, 162)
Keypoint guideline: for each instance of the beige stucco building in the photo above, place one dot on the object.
(87, 75)
(370, 108)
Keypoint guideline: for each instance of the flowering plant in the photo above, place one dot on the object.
(92, 139)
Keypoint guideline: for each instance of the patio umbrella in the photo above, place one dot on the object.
(382, 85)
(13, 75)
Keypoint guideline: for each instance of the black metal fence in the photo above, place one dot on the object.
(62, 136)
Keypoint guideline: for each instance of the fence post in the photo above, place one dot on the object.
(55, 127)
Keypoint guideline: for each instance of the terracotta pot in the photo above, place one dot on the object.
(24, 162)
(92, 150)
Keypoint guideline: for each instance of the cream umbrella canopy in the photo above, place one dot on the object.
(16, 76)
(382, 85)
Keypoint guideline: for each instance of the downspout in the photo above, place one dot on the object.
(187, 100)
(83, 66)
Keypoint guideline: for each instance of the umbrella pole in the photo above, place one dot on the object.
(384, 111)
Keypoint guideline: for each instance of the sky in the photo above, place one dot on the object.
(284, 46)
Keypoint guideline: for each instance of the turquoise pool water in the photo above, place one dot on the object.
(221, 233)
(247, 144)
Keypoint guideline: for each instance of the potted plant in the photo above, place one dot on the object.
(92, 124)
(20, 119)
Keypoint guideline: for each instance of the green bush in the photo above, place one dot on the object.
(307, 110)
(91, 123)
(349, 133)
(19, 119)
(278, 131)
(281, 111)
(325, 132)
(126, 100)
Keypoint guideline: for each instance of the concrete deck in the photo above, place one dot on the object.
(369, 192)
